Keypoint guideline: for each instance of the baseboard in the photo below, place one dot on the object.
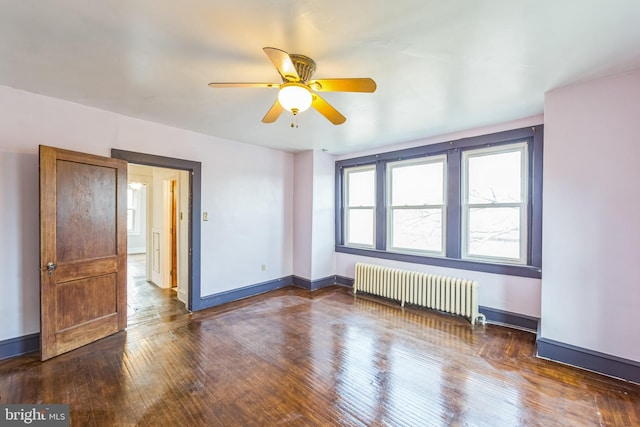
(241, 293)
(312, 285)
(507, 318)
(590, 360)
(18, 346)
(344, 281)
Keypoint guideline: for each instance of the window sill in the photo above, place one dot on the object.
(506, 269)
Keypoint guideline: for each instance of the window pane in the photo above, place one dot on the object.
(360, 227)
(131, 220)
(361, 188)
(419, 229)
(418, 184)
(494, 232)
(495, 178)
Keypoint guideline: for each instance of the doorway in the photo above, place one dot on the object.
(190, 237)
(157, 227)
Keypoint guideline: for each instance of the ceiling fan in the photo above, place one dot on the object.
(297, 92)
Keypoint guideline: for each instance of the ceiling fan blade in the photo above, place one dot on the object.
(344, 85)
(244, 85)
(283, 63)
(327, 110)
(273, 113)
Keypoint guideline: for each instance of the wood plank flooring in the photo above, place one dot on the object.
(295, 358)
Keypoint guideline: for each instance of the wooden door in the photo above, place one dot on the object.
(83, 249)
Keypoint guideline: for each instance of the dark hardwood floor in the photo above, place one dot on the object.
(146, 302)
(291, 357)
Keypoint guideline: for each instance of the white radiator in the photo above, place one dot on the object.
(448, 294)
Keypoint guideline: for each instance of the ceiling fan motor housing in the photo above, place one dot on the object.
(304, 65)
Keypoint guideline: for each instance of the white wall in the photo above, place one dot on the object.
(137, 241)
(508, 293)
(519, 295)
(314, 215)
(160, 226)
(591, 231)
(247, 190)
(19, 248)
(323, 260)
(303, 214)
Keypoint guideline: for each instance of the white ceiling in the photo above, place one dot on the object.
(441, 66)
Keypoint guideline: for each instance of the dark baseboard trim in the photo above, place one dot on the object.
(590, 360)
(248, 291)
(507, 318)
(14, 347)
(312, 285)
(301, 282)
(344, 281)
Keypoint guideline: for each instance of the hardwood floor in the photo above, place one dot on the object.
(145, 301)
(291, 357)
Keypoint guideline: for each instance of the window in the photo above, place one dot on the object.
(494, 212)
(416, 205)
(360, 206)
(134, 190)
(474, 203)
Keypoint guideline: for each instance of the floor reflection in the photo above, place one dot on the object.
(294, 358)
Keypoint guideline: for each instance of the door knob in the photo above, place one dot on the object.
(51, 266)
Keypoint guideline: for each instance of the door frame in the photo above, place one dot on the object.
(195, 186)
(173, 232)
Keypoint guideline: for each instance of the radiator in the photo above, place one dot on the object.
(443, 293)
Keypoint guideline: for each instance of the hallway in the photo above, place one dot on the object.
(145, 301)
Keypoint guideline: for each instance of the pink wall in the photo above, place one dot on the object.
(591, 231)
(247, 190)
(303, 214)
(323, 244)
(314, 215)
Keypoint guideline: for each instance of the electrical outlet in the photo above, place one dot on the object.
(263, 267)
(205, 216)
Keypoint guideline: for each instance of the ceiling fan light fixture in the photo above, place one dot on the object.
(294, 97)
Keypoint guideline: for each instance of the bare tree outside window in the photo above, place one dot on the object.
(360, 206)
(495, 203)
(416, 208)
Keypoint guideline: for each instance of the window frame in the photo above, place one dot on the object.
(390, 207)
(347, 208)
(453, 247)
(522, 147)
(134, 208)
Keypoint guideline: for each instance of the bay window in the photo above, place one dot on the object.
(473, 203)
